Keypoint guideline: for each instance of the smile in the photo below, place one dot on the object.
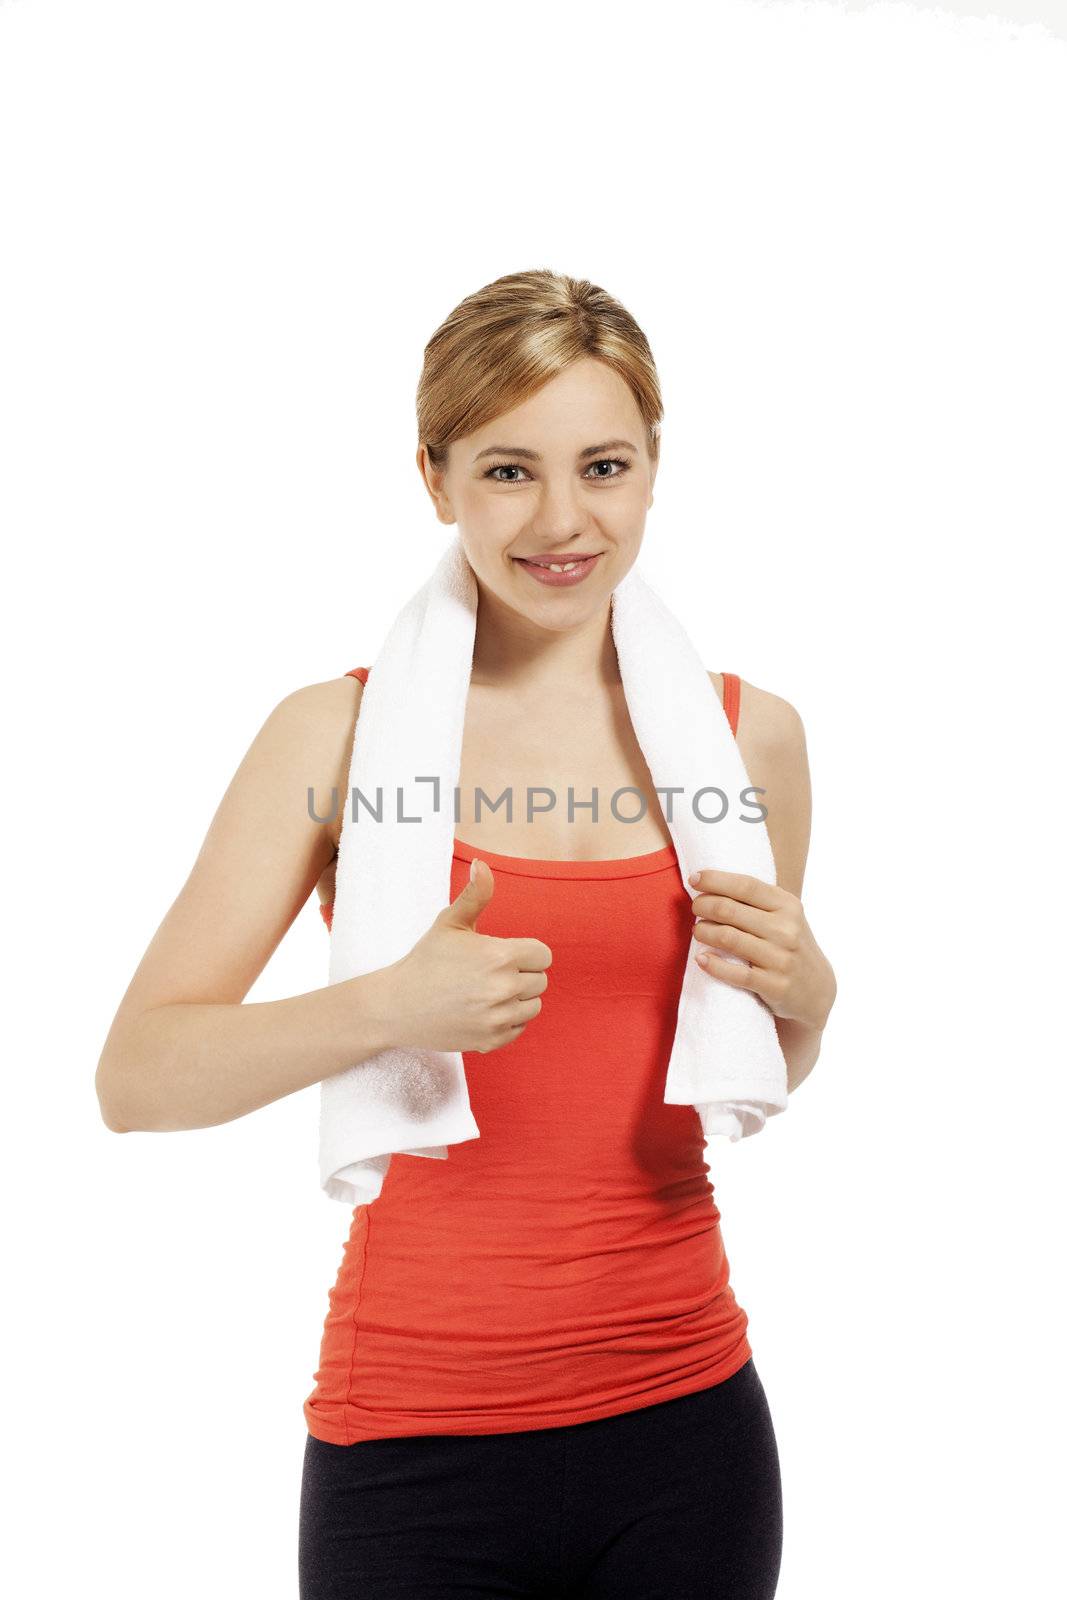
(558, 574)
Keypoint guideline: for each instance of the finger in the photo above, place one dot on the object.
(471, 900)
(517, 1013)
(739, 886)
(530, 955)
(736, 973)
(733, 942)
(720, 908)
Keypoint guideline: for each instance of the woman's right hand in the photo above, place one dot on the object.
(457, 989)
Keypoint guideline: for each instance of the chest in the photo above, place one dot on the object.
(565, 781)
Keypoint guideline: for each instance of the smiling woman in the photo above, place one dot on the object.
(534, 1374)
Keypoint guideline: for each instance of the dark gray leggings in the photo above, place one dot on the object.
(681, 1500)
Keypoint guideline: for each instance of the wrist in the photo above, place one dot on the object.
(824, 1004)
(376, 1007)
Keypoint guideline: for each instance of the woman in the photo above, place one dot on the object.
(534, 1378)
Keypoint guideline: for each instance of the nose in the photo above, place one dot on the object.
(560, 517)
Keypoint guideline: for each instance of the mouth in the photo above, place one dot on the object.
(558, 574)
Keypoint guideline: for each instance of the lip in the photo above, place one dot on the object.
(559, 580)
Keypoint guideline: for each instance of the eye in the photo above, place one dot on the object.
(514, 466)
(612, 461)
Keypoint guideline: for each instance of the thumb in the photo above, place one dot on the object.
(472, 898)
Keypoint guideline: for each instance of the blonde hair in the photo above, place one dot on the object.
(505, 341)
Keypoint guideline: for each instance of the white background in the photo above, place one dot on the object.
(228, 229)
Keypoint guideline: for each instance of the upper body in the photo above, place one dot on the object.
(545, 708)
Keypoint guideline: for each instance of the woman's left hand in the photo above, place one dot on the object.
(766, 925)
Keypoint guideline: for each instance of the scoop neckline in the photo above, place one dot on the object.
(546, 867)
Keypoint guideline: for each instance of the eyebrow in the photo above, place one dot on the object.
(532, 455)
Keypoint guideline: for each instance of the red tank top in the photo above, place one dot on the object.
(569, 1263)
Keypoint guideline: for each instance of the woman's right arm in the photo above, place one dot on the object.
(183, 1050)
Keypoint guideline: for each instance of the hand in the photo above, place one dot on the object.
(764, 925)
(461, 990)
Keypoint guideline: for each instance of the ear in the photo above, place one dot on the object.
(433, 477)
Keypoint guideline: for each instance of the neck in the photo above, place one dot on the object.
(511, 651)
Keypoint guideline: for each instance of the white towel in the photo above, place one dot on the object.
(394, 875)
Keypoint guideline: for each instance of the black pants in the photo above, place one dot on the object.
(681, 1500)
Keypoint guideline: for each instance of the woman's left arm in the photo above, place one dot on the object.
(765, 922)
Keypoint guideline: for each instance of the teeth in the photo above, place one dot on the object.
(554, 566)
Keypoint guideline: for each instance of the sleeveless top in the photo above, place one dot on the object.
(569, 1263)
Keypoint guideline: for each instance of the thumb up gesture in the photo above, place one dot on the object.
(457, 989)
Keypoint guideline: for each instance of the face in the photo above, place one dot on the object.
(564, 477)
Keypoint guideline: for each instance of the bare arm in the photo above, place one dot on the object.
(183, 1050)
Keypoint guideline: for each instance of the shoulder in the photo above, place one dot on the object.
(768, 725)
(317, 705)
(315, 717)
